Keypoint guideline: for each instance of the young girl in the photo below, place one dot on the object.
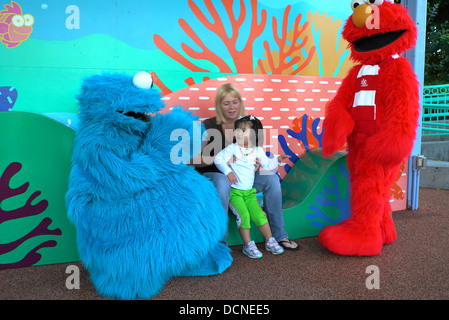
(249, 138)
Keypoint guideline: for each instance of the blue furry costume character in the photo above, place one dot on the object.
(140, 218)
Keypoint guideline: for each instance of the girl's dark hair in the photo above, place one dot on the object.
(256, 128)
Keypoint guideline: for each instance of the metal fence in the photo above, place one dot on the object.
(435, 115)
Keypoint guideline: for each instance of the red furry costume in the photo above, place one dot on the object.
(376, 112)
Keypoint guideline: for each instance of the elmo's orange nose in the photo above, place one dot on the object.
(361, 14)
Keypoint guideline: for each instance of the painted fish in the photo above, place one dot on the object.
(15, 28)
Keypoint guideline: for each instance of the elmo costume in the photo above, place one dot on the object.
(376, 112)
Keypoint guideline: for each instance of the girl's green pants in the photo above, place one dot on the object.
(247, 207)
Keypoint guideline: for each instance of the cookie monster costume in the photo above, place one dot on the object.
(375, 112)
(140, 218)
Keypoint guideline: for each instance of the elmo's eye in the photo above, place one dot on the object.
(375, 2)
(29, 20)
(356, 3)
(18, 21)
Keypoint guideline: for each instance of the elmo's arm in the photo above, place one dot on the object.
(393, 142)
(338, 123)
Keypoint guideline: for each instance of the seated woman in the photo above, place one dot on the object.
(228, 108)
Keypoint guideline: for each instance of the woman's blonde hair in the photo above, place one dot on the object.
(222, 91)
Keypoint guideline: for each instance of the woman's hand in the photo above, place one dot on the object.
(232, 160)
(256, 164)
(196, 160)
(232, 178)
(282, 158)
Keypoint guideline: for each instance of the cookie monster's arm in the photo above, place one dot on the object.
(174, 136)
(115, 176)
(130, 175)
(338, 123)
(78, 196)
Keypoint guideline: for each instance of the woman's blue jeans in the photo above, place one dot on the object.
(269, 185)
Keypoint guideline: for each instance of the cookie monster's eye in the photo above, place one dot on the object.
(375, 2)
(143, 80)
(356, 3)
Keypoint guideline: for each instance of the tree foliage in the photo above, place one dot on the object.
(437, 43)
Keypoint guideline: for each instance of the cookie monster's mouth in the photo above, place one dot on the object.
(377, 41)
(136, 115)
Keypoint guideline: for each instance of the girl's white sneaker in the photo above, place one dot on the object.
(273, 246)
(251, 250)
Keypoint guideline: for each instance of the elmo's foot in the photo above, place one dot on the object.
(388, 229)
(351, 239)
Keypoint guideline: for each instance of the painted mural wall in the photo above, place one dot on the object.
(183, 42)
(286, 57)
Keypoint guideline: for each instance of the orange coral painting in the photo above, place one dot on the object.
(310, 45)
(255, 39)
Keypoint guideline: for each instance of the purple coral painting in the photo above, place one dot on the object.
(28, 209)
(8, 97)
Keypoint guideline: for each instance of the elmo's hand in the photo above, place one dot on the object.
(336, 128)
(338, 123)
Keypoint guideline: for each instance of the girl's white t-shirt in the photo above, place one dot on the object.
(244, 166)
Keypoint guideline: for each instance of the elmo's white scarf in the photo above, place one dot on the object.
(364, 107)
